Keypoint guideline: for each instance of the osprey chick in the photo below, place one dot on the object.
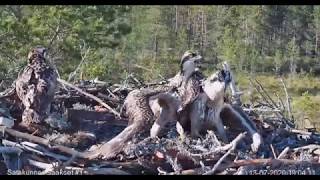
(35, 87)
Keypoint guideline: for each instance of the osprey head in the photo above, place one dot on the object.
(215, 85)
(189, 63)
(190, 58)
(37, 54)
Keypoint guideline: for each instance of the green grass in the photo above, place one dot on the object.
(304, 91)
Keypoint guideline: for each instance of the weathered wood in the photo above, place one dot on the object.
(232, 147)
(273, 151)
(49, 168)
(283, 153)
(288, 100)
(91, 96)
(34, 148)
(270, 162)
(46, 142)
(310, 147)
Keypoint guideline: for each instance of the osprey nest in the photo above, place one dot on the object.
(87, 133)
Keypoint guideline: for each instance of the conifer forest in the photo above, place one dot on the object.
(80, 86)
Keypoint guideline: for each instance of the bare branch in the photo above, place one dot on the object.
(232, 147)
(90, 96)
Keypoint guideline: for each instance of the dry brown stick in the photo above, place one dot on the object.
(90, 96)
(8, 92)
(281, 102)
(288, 99)
(297, 131)
(283, 153)
(113, 95)
(46, 142)
(309, 147)
(40, 165)
(273, 151)
(44, 152)
(262, 95)
(266, 96)
(256, 162)
(261, 110)
(232, 147)
(261, 87)
(108, 149)
(76, 170)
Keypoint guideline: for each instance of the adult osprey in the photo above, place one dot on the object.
(219, 113)
(35, 87)
(185, 88)
(191, 77)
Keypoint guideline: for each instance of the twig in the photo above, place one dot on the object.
(283, 153)
(174, 164)
(56, 32)
(232, 147)
(266, 96)
(262, 95)
(273, 151)
(135, 80)
(297, 131)
(83, 58)
(281, 102)
(271, 162)
(76, 170)
(8, 92)
(90, 96)
(288, 99)
(261, 87)
(46, 142)
(34, 148)
(261, 110)
(40, 165)
(256, 162)
(113, 95)
(310, 147)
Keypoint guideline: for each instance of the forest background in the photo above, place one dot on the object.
(265, 42)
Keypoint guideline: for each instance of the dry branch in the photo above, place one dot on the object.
(270, 162)
(36, 149)
(90, 96)
(232, 146)
(46, 142)
(283, 153)
(288, 100)
(310, 147)
(50, 168)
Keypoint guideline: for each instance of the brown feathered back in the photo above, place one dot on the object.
(35, 86)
